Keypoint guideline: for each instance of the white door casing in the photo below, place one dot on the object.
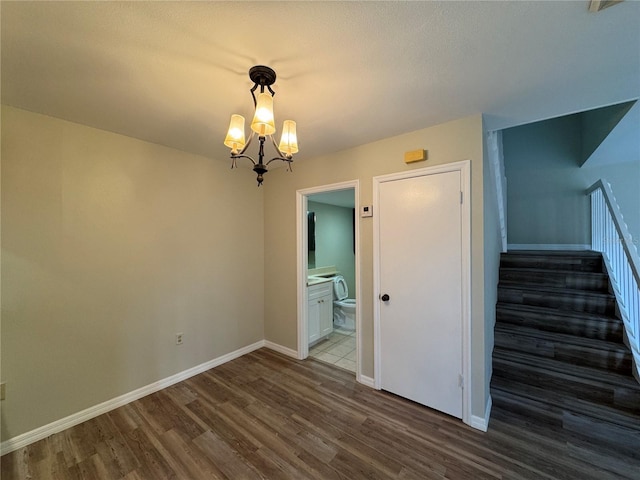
(301, 234)
(421, 260)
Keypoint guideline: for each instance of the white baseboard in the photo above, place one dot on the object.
(289, 352)
(548, 246)
(480, 423)
(367, 381)
(59, 425)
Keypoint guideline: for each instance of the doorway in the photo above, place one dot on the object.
(327, 244)
(422, 280)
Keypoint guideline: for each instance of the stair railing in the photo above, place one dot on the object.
(611, 237)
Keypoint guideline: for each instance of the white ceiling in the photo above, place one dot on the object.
(349, 72)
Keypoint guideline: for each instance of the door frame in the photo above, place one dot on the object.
(302, 264)
(464, 167)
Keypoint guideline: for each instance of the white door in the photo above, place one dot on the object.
(420, 269)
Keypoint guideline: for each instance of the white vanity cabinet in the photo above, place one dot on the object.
(320, 310)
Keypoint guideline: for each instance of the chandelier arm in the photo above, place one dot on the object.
(253, 134)
(275, 145)
(255, 102)
(235, 157)
(288, 160)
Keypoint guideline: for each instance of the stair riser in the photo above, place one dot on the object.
(578, 264)
(591, 282)
(610, 395)
(603, 305)
(611, 331)
(615, 361)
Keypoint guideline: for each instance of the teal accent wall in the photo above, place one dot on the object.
(334, 240)
(597, 124)
(546, 203)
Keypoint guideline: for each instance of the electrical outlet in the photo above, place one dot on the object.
(3, 389)
(179, 338)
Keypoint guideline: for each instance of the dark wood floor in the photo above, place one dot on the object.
(268, 416)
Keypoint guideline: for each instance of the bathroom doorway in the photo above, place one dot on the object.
(328, 275)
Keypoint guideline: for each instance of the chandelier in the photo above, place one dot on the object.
(262, 125)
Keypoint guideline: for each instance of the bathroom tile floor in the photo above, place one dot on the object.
(339, 349)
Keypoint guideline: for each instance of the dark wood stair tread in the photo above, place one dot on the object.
(546, 271)
(587, 324)
(554, 253)
(576, 340)
(542, 398)
(573, 262)
(545, 439)
(562, 298)
(544, 289)
(611, 435)
(573, 279)
(559, 361)
(554, 312)
(587, 375)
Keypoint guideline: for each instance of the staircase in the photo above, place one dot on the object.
(559, 362)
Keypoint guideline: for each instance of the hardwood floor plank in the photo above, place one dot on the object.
(116, 457)
(282, 449)
(317, 446)
(266, 416)
(281, 467)
(242, 445)
(232, 464)
(348, 444)
(93, 468)
(133, 476)
(180, 420)
(125, 418)
(352, 466)
(316, 468)
(195, 464)
(152, 464)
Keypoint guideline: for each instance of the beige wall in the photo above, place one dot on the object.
(449, 142)
(110, 246)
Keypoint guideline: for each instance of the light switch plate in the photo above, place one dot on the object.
(366, 211)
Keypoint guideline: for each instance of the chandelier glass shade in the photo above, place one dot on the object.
(263, 121)
(263, 126)
(235, 136)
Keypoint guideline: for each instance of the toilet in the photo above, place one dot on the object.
(344, 309)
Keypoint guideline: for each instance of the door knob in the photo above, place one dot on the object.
(384, 297)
